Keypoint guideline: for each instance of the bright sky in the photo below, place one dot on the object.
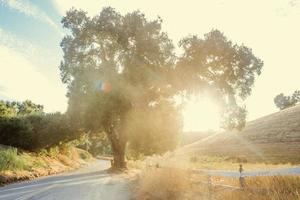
(30, 33)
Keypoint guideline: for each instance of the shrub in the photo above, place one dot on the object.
(51, 129)
(36, 131)
(17, 132)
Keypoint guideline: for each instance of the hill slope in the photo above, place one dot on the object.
(272, 139)
(18, 165)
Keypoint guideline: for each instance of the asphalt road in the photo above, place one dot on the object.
(90, 183)
(268, 172)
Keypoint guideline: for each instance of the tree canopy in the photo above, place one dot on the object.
(282, 102)
(130, 54)
(217, 64)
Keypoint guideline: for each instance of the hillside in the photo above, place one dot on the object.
(272, 139)
(18, 165)
(192, 136)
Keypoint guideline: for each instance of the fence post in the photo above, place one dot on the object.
(209, 183)
(242, 178)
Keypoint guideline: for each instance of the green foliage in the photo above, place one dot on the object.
(99, 144)
(52, 129)
(10, 160)
(28, 107)
(282, 102)
(36, 131)
(54, 151)
(13, 108)
(17, 132)
(7, 110)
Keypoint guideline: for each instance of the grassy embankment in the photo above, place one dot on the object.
(18, 165)
(175, 184)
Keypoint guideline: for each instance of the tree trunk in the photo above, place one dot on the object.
(119, 157)
(118, 145)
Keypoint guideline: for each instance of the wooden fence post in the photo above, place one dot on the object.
(242, 178)
(209, 187)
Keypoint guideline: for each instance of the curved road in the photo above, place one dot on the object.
(90, 183)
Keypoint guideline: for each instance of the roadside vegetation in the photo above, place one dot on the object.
(175, 184)
(34, 143)
(25, 125)
(10, 160)
(17, 165)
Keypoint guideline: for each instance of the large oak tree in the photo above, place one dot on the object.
(130, 54)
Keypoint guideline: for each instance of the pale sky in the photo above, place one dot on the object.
(30, 33)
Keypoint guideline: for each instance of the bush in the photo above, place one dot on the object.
(51, 129)
(36, 131)
(17, 132)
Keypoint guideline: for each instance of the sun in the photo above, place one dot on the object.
(201, 114)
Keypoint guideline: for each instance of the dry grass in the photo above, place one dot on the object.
(167, 184)
(193, 161)
(274, 139)
(229, 163)
(174, 184)
(264, 188)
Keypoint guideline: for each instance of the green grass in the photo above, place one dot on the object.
(10, 160)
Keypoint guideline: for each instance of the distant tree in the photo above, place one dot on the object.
(14, 108)
(217, 64)
(7, 110)
(116, 66)
(296, 96)
(28, 107)
(282, 102)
